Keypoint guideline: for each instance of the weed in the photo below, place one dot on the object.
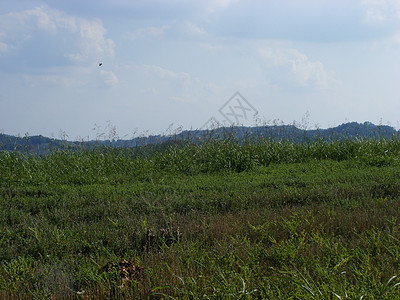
(214, 218)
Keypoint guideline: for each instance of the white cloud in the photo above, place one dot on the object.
(172, 85)
(92, 41)
(295, 67)
(55, 36)
(147, 32)
(175, 29)
(384, 14)
(213, 5)
(194, 29)
(382, 11)
(109, 78)
(69, 79)
(3, 47)
(44, 20)
(396, 37)
(162, 9)
(157, 71)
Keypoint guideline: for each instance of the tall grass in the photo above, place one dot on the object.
(215, 218)
(107, 165)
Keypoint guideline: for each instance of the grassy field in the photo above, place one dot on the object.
(217, 220)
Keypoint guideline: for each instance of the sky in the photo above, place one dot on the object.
(177, 65)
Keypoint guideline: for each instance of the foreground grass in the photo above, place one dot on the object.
(226, 220)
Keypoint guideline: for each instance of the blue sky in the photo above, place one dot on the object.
(175, 64)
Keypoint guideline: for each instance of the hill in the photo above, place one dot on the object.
(41, 144)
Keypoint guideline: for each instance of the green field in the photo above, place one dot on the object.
(224, 219)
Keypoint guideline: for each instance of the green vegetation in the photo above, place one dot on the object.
(220, 219)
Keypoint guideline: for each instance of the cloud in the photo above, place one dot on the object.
(192, 29)
(44, 20)
(385, 16)
(380, 12)
(109, 78)
(294, 68)
(308, 20)
(43, 37)
(157, 71)
(213, 5)
(66, 78)
(160, 10)
(147, 32)
(171, 85)
(175, 30)
(172, 8)
(3, 48)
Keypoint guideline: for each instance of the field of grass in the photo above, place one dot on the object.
(223, 219)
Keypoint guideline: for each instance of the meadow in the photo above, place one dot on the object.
(218, 219)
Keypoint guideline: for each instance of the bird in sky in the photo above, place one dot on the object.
(100, 64)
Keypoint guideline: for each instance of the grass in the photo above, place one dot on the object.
(222, 219)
